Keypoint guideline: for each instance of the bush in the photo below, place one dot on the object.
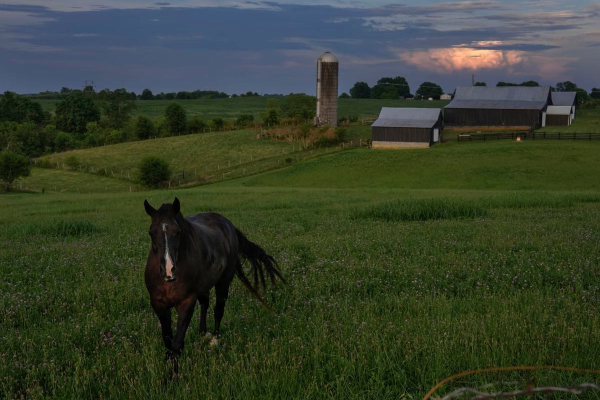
(218, 123)
(72, 162)
(299, 105)
(341, 133)
(12, 166)
(143, 127)
(115, 137)
(244, 120)
(63, 141)
(153, 171)
(196, 125)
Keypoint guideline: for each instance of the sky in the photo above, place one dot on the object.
(237, 46)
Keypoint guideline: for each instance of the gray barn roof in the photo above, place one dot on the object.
(407, 117)
(563, 98)
(500, 98)
(559, 110)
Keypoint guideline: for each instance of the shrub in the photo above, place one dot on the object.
(299, 105)
(12, 166)
(143, 127)
(153, 171)
(115, 137)
(72, 162)
(196, 125)
(218, 122)
(341, 133)
(270, 117)
(244, 120)
(63, 141)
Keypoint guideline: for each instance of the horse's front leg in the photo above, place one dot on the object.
(164, 315)
(185, 310)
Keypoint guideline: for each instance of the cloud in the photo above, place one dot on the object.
(458, 59)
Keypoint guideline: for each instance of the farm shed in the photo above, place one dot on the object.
(559, 115)
(497, 106)
(446, 96)
(406, 128)
(565, 99)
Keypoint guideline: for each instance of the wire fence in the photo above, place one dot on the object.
(531, 389)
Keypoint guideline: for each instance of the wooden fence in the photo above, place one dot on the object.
(528, 136)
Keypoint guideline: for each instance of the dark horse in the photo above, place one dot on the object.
(188, 257)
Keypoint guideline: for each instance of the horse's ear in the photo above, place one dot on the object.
(149, 209)
(176, 206)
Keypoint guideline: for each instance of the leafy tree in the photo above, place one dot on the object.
(270, 116)
(399, 83)
(12, 166)
(502, 84)
(176, 119)
(566, 86)
(183, 95)
(75, 111)
(9, 139)
(115, 137)
(595, 94)
(360, 90)
(480, 84)
(244, 120)
(234, 96)
(384, 92)
(196, 125)
(530, 84)
(153, 171)
(429, 89)
(144, 128)
(65, 90)
(117, 106)
(170, 96)
(63, 141)
(20, 109)
(146, 95)
(344, 96)
(299, 105)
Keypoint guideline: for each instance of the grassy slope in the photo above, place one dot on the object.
(233, 108)
(549, 165)
(200, 151)
(64, 181)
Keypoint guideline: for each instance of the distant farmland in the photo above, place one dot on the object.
(233, 108)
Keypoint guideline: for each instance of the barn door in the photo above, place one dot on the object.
(436, 135)
(543, 119)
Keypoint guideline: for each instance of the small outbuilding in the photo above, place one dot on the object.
(446, 96)
(559, 115)
(398, 128)
(565, 99)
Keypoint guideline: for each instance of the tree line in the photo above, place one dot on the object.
(148, 95)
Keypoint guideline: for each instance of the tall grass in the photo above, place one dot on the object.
(423, 209)
(62, 228)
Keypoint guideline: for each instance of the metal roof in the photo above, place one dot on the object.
(407, 117)
(559, 110)
(501, 98)
(328, 57)
(563, 98)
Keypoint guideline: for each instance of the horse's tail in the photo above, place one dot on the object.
(260, 262)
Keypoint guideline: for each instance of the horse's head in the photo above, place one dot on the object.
(165, 232)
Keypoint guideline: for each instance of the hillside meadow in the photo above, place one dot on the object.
(404, 268)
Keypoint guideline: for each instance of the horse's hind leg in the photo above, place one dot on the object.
(203, 300)
(222, 291)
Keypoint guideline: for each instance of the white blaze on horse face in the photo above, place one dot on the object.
(168, 261)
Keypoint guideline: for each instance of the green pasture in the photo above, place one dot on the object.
(405, 267)
(586, 121)
(234, 107)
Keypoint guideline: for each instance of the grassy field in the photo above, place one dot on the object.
(66, 181)
(404, 268)
(233, 108)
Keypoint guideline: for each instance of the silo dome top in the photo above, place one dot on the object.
(328, 57)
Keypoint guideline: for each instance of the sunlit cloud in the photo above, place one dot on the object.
(457, 59)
